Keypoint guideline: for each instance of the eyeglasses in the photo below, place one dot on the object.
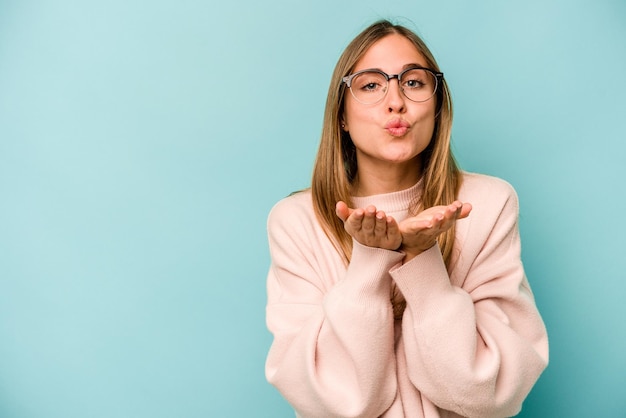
(370, 86)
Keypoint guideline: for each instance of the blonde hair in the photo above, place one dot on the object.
(335, 164)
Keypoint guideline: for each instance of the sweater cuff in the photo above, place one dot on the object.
(371, 266)
(422, 277)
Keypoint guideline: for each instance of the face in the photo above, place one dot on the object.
(395, 130)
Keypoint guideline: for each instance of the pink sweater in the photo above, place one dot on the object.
(470, 342)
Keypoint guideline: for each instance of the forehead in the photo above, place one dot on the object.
(391, 54)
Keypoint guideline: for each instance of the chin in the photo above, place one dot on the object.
(401, 159)
(404, 156)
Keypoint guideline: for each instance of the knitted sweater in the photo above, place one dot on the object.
(470, 342)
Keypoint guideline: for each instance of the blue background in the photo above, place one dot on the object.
(142, 144)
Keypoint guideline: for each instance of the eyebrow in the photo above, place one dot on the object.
(404, 67)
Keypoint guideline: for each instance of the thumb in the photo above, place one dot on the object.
(342, 210)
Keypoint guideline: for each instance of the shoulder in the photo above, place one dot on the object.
(293, 227)
(492, 221)
(486, 189)
(297, 203)
(292, 212)
(494, 201)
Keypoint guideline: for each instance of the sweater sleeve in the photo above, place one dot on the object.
(477, 349)
(333, 348)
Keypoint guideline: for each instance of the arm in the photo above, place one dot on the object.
(333, 348)
(476, 349)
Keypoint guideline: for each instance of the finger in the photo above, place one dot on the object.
(416, 225)
(380, 228)
(393, 232)
(443, 219)
(456, 206)
(465, 211)
(342, 210)
(451, 210)
(392, 223)
(461, 210)
(451, 213)
(369, 219)
(354, 222)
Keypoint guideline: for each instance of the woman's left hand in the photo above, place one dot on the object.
(420, 232)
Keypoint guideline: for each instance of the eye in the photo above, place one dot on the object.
(370, 86)
(416, 79)
(413, 83)
(369, 82)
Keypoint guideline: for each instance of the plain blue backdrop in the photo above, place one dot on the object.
(142, 144)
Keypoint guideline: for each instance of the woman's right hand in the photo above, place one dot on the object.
(370, 227)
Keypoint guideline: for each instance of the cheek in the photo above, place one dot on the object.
(427, 118)
(357, 119)
(356, 114)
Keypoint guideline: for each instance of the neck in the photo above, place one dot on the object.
(388, 179)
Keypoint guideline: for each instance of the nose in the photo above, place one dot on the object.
(395, 97)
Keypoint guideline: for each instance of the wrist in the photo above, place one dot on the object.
(412, 252)
(409, 256)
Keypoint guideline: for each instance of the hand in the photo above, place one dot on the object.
(420, 232)
(370, 227)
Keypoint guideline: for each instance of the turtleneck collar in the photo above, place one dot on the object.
(391, 202)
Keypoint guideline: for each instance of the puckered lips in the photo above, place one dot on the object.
(397, 127)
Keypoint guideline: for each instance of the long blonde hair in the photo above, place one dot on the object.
(335, 164)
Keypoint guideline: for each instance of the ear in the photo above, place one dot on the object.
(344, 125)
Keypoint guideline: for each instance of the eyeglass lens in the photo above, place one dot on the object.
(370, 87)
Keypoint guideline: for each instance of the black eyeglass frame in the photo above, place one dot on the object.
(437, 74)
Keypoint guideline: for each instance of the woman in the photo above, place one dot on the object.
(396, 287)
